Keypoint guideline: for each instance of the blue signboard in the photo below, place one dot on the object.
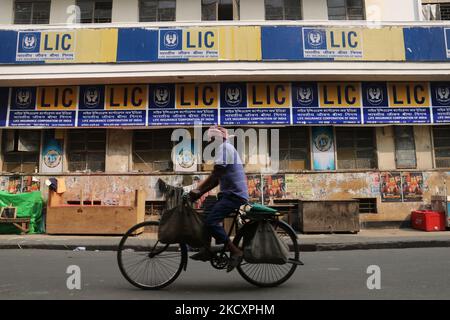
(249, 116)
(188, 43)
(390, 103)
(261, 104)
(306, 108)
(237, 103)
(165, 111)
(94, 112)
(440, 97)
(332, 43)
(45, 46)
(55, 108)
(41, 119)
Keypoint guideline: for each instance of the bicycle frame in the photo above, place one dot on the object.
(239, 214)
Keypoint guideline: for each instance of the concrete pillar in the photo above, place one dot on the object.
(422, 136)
(60, 13)
(189, 10)
(125, 11)
(252, 10)
(385, 148)
(118, 150)
(315, 10)
(7, 11)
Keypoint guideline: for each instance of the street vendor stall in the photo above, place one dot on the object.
(27, 216)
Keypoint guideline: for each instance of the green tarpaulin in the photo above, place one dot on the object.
(28, 205)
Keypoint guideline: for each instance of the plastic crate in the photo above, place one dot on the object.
(428, 220)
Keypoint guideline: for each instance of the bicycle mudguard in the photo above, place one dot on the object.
(185, 259)
(290, 228)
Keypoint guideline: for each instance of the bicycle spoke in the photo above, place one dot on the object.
(266, 274)
(149, 264)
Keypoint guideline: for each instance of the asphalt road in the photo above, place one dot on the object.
(405, 274)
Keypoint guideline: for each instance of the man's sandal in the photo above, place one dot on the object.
(233, 262)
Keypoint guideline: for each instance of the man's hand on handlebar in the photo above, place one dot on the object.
(194, 195)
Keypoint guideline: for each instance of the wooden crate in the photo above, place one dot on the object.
(93, 219)
(329, 216)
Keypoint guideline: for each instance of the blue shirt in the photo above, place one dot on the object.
(234, 180)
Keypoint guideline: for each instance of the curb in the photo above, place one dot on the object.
(303, 247)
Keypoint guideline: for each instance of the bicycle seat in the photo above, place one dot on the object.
(256, 209)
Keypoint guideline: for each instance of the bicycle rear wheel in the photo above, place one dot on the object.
(265, 274)
(147, 263)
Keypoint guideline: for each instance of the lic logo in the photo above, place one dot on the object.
(375, 95)
(323, 142)
(315, 38)
(171, 39)
(161, 96)
(233, 96)
(29, 42)
(23, 97)
(91, 97)
(304, 95)
(443, 95)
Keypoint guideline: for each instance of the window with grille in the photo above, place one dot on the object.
(283, 9)
(445, 11)
(355, 148)
(441, 142)
(21, 150)
(405, 147)
(157, 10)
(218, 10)
(86, 150)
(346, 9)
(152, 150)
(31, 12)
(294, 149)
(368, 205)
(95, 11)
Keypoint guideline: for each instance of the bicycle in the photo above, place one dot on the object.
(163, 263)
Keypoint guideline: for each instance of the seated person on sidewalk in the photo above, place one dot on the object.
(229, 173)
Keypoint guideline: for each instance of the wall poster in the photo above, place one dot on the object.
(391, 187)
(323, 148)
(412, 183)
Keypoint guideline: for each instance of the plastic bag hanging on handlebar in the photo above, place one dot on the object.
(263, 245)
(182, 224)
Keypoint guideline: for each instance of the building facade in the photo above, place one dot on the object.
(359, 91)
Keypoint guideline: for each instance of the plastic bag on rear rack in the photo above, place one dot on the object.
(263, 245)
(182, 224)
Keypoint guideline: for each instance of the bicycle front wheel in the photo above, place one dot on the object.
(265, 274)
(147, 263)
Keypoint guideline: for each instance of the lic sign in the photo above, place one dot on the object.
(188, 43)
(330, 43)
(45, 46)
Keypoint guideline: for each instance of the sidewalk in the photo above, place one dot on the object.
(365, 239)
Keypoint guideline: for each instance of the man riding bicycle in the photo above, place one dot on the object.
(229, 173)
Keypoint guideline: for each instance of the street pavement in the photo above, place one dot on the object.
(420, 273)
(365, 239)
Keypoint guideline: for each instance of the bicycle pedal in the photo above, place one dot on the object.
(297, 262)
